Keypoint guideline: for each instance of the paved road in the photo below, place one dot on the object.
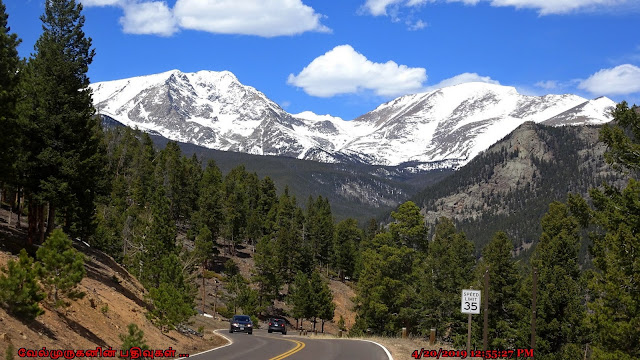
(264, 346)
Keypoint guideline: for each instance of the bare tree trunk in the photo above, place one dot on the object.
(204, 291)
(32, 220)
(11, 209)
(20, 204)
(41, 222)
(51, 220)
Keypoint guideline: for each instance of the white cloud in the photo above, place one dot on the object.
(248, 17)
(101, 2)
(548, 84)
(462, 79)
(418, 25)
(148, 18)
(379, 7)
(620, 80)
(544, 7)
(343, 70)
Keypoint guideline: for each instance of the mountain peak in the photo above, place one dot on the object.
(450, 125)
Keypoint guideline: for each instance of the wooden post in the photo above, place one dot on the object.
(469, 335)
(404, 332)
(432, 337)
(204, 291)
(215, 296)
(485, 335)
(533, 308)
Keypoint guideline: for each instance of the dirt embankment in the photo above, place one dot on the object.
(114, 299)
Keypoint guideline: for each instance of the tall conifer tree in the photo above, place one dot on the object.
(9, 65)
(63, 162)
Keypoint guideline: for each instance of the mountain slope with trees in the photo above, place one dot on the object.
(354, 189)
(508, 187)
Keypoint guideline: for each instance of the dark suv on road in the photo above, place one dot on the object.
(241, 323)
(279, 325)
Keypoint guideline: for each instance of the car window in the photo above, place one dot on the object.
(241, 318)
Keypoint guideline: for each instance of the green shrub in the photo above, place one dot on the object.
(61, 268)
(19, 290)
(225, 312)
(9, 354)
(135, 338)
(255, 321)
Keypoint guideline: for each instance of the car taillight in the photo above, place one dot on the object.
(270, 324)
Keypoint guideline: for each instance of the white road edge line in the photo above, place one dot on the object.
(383, 348)
(229, 342)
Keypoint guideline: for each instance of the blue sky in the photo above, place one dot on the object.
(346, 57)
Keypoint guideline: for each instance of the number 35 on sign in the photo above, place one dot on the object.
(470, 302)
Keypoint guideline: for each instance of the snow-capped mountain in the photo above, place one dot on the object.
(441, 128)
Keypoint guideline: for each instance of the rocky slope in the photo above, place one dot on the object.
(114, 299)
(509, 187)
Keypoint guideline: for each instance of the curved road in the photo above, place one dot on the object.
(264, 346)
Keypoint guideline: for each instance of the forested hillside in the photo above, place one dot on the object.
(508, 187)
(354, 189)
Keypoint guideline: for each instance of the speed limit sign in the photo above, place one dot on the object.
(470, 302)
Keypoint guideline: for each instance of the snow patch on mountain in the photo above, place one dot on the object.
(436, 129)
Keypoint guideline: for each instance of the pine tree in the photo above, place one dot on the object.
(134, 338)
(386, 299)
(19, 289)
(267, 205)
(623, 138)
(286, 238)
(159, 241)
(322, 299)
(267, 275)
(347, 238)
(503, 286)
(63, 165)
(560, 308)
(235, 207)
(448, 268)
(299, 297)
(9, 66)
(173, 299)
(210, 212)
(319, 227)
(61, 268)
(409, 228)
(614, 305)
(169, 307)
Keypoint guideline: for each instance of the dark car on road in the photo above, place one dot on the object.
(241, 323)
(279, 325)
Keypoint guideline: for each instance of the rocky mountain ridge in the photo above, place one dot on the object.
(444, 128)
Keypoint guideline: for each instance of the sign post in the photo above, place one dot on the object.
(470, 304)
